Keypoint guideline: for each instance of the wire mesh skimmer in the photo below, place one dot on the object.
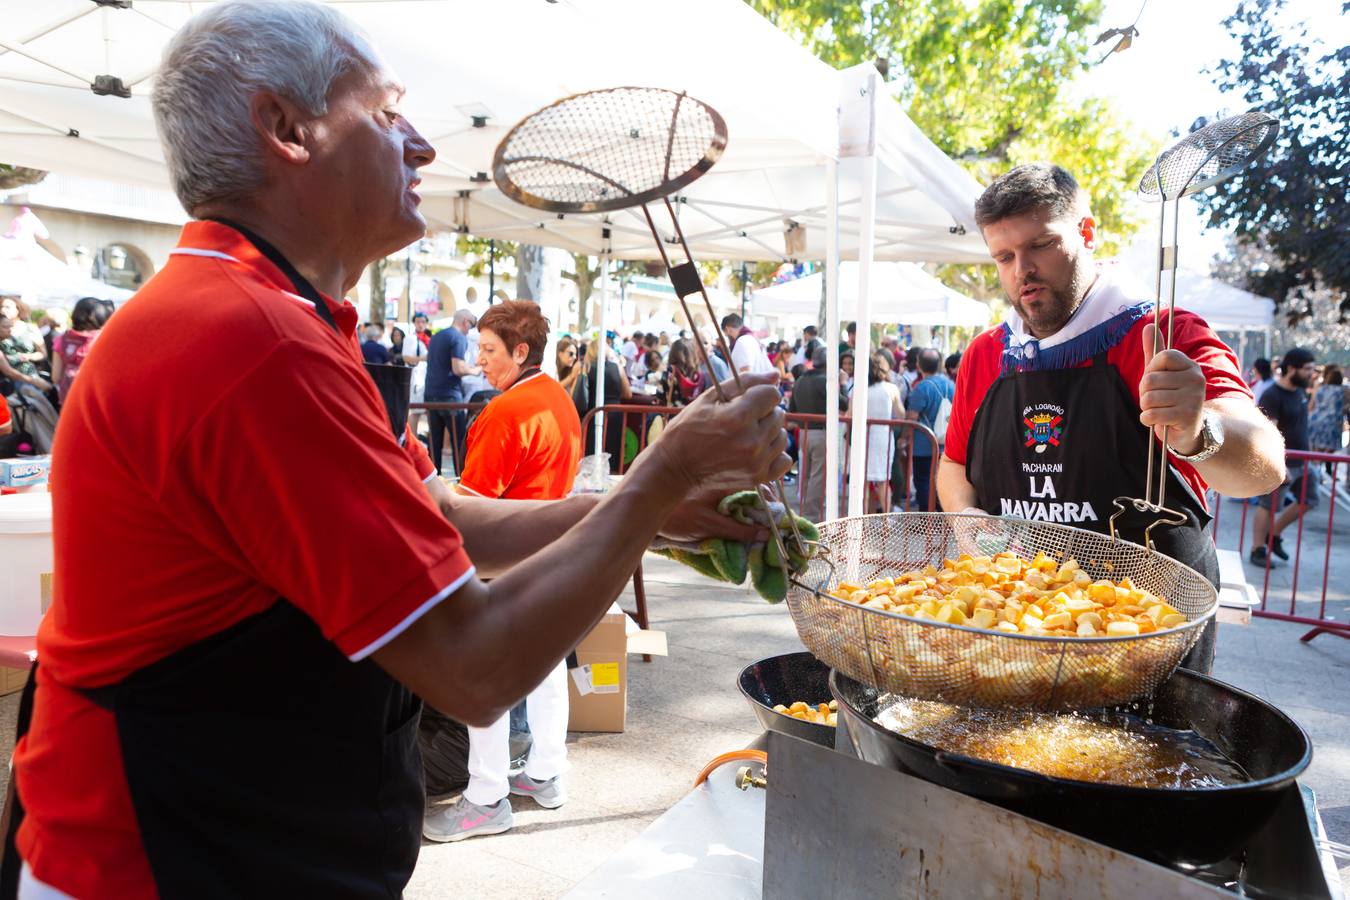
(977, 667)
(1200, 160)
(616, 149)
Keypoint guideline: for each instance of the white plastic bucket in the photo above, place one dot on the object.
(25, 561)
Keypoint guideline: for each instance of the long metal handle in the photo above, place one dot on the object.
(707, 364)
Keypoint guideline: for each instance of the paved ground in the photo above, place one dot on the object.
(685, 709)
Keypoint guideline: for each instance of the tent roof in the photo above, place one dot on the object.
(901, 293)
(1224, 307)
(461, 59)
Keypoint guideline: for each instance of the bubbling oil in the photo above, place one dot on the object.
(1106, 747)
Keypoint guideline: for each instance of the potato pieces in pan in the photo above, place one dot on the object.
(820, 714)
(1008, 593)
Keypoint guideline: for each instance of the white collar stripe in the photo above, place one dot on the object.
(196, 251)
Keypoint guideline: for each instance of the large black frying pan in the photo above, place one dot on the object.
(1180, 828)
(786, 679)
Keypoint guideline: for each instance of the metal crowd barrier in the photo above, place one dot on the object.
(639, 418)
(1308, 605)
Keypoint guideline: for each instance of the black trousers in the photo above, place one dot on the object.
(455, 421)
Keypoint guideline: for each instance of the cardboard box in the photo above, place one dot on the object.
(12, 680)
(597, 688)
(24, 470)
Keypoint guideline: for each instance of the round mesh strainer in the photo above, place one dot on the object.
(972, 666)
(607, 150)
(1208, 156)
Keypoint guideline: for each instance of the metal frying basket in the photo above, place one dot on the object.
(973, 666)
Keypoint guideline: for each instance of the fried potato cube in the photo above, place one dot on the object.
(1086, 629)
(1122, 628)
(951, 614)
(983, 618)
(798, 707)
(1091, 619)
(779, 708)
(1058, 620)
(1172, 620)
(1102, 592)
(965, 593)
(1007, 626)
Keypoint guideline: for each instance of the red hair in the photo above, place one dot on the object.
(518, 322)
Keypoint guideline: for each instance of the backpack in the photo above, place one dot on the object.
(940, 420)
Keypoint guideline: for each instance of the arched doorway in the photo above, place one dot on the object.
(123, 265)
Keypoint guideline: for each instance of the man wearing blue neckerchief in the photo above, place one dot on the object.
(1053, 407)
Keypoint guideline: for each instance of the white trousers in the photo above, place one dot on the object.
(490, 750)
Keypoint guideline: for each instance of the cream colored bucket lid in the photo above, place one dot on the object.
(29, 513)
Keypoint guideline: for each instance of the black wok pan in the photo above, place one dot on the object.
(1183, 828)
(786, 679)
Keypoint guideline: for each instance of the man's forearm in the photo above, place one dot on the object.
(500, 533)
(955, 493)
(1251, 461)
(510, 633)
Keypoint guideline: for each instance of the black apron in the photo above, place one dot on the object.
(262, 762)
(1060, 446)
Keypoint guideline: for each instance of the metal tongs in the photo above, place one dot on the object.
(1201, 160)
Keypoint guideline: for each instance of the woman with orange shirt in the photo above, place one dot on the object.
(524, 445)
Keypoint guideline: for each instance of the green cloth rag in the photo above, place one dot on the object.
(731, 561)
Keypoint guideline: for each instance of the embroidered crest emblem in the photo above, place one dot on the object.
(1042, 430)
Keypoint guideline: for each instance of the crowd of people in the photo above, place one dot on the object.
(1308, 404)
(40, 356)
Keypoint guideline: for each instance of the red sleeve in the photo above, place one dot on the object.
(421, 460)
(494, 453)
(1193, 337)
(304, 484)
(4, 413)
(979, 369)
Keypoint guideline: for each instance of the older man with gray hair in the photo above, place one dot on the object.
(227, 699)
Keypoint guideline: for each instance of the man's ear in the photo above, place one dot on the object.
(1087, 227)
(284, 129)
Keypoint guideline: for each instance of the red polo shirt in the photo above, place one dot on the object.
(981, 365)
(525, 444)
(223, 447)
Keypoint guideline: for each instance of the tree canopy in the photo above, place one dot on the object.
(988, 82)
(1295, 204)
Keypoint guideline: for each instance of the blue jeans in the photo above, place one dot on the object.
(922, 471)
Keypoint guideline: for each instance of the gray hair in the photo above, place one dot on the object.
(214, 65)
(1028, 188)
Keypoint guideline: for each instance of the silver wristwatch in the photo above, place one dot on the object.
(1211, 439)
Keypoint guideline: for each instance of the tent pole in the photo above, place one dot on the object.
(1268, 329)
(831, 340)
(862, 351)
(1242, 350)
(601, 356)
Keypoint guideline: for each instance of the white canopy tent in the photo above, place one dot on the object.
(469, 63)
(1224, 307)
(902, 293)
(473, 69)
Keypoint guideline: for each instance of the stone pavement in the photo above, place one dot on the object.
(685, 709)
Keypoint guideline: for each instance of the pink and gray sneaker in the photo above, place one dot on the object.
(463, 819)
(549, 794)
